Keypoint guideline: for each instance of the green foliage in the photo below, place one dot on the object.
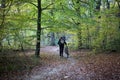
(97, 30)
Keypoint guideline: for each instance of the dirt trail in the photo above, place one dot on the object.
(54, 72)
(50, 49)
(58, 72)
(80, 66)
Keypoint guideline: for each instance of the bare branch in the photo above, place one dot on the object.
(73, 20)
(8, 8)
(77, 23)
(33, 4)
(5, 13)
(84, 2)
(47, 6)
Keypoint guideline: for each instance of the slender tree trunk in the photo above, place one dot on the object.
(0, 46)
(118, 2)
(3, 13)
(3, 4)
(98, 5)
(37, 52)
(52, 39)
(52, 36)
(88, 38)
(108, 4)
(3, 19)
(104, 41)
(79, 39)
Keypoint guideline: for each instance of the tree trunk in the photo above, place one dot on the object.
(3, 13)
(2, 23)
(118, 2)
(108, 4)
(3, 4)
(37, 52)
(0, 46)
(52, 34)
(79, 39)
(98, 5)
(52, 39)
(88, 39)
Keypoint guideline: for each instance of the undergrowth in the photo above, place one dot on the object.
(18, 62)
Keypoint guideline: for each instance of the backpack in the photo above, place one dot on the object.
(62, 41)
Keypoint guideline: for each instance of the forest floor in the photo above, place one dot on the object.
(81, 65)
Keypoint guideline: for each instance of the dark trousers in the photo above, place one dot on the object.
(61, 50)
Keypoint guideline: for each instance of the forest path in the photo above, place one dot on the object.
(60, 69)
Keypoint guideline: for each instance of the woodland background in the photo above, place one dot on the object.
(29, 25)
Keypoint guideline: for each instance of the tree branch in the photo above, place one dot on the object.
(73, 21)
(33, 4)
(77, 23)
(47, 6)
(84, 2)
(9, 6)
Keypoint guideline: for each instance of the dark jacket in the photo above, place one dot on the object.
(61, 41)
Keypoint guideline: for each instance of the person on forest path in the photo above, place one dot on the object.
(61, 44)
